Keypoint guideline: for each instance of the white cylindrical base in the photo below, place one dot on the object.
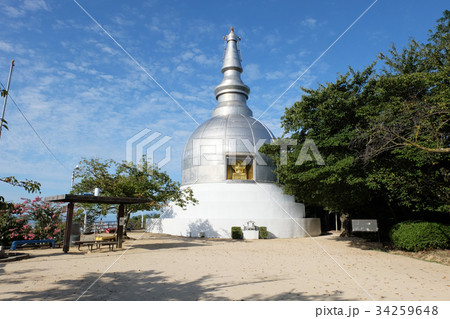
(224, 205)
(221, 228)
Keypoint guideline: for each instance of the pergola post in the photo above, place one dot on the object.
(68, 230)
(71, 199)
(120, 223)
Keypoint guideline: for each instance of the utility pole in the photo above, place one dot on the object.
(6, 97)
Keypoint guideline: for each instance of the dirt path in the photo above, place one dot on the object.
(170, 268)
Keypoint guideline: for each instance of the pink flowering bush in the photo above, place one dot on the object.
(32, 219)
(46, 217)
(14, 225)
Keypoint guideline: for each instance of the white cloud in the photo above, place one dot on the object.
(34, 5)
(16, 48)
(6, 47)
(309, 22)
(123, 21)
(107, 49)
(183, 69)
(252, 71)
(107, 77)
(12, 11)
(204, 60)
(272, 39)
(169, 39)
(187, 55)
(275, 75)
(21, 8)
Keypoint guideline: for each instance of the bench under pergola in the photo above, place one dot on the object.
(72, 199)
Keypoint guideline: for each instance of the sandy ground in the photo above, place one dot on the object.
(158, 267)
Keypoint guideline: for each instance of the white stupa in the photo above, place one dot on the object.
(232, 181)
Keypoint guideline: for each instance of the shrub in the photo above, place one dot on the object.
(46, 216)
(9, 224)
(263, 233)
(418, 235)
(33, 219)
(14, 225)
(236, 232)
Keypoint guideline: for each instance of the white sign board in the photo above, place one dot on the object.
(121, 221)
(365, 225)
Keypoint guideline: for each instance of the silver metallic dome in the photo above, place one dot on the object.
(231, 136)
(206, 152)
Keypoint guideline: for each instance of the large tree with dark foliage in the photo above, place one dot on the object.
(384, 136)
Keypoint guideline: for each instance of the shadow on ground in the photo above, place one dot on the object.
(149, 286)
(174, 245)
(299, 296)
(357, 242)
(183, 242)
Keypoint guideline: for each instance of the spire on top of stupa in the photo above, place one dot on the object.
(232, 93)
(232, 58)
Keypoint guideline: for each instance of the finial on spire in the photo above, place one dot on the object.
(232, 93)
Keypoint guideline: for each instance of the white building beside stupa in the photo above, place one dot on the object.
(232, 181)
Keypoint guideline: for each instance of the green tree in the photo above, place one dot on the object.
(412, 124)
(416, 86)
(130, 180)
(29, 185)
(329, 116)
(383, 136)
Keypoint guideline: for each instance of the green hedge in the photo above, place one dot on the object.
(418, 235)
(263, 233)
(236, 232)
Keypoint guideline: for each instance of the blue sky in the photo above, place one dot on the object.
(85, 97)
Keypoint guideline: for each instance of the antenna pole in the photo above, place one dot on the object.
(6, 97)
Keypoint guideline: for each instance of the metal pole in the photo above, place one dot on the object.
(6, 97)
(85, 220)
(73, 176)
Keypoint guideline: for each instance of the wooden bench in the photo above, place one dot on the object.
(97, 243)
(89, 243)
(109, 243)
(15, 244)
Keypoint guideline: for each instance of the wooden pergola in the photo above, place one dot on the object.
(72, 199)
